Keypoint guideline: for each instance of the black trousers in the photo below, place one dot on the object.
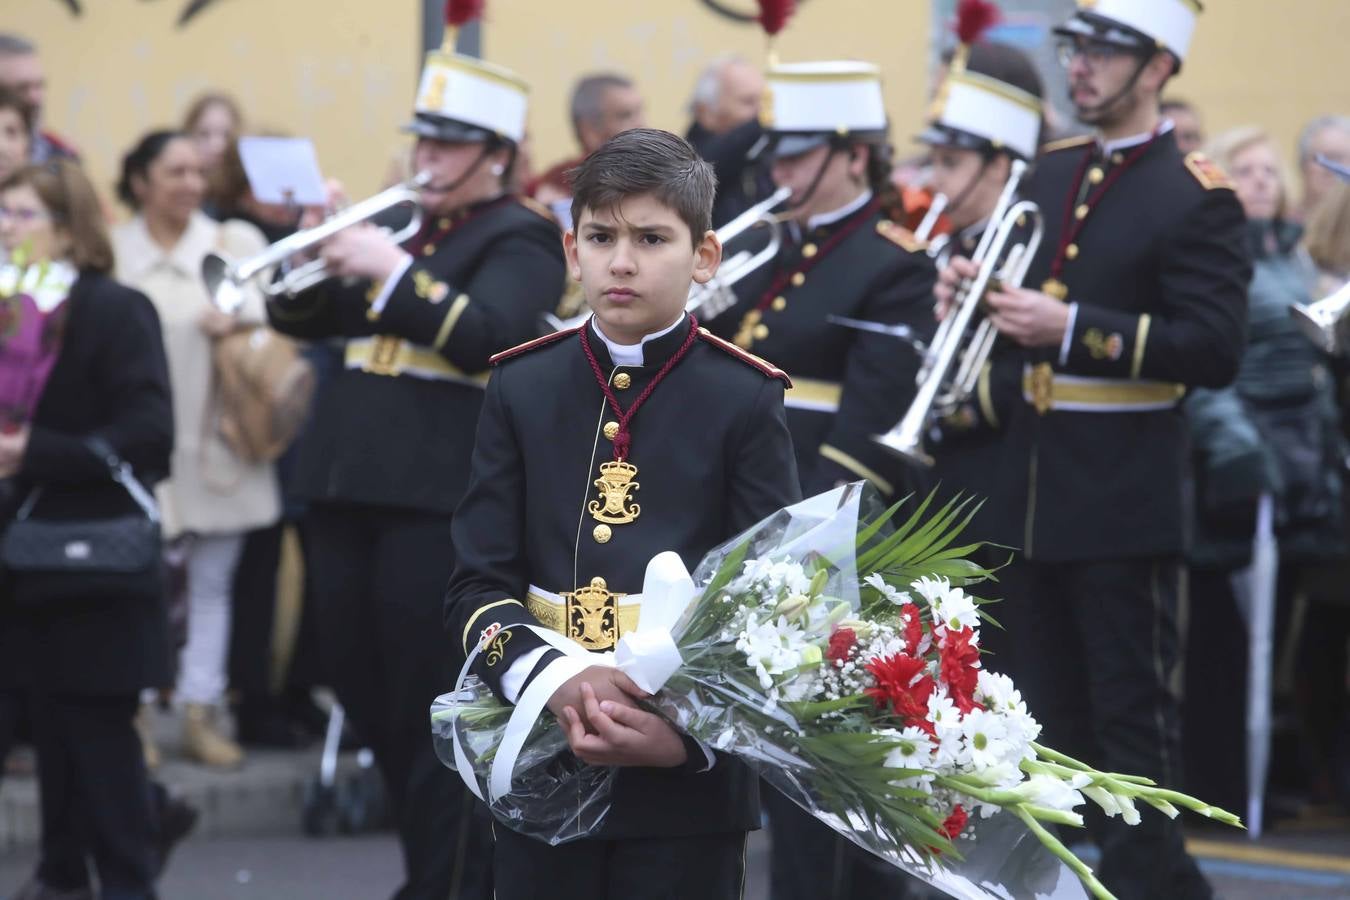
(253, 615)
(95, 796)
(380, 577)
(701, 867)
(1096, 648)
(810, 862)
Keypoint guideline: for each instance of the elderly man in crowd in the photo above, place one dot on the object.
(1327, 137)
(21, 72)
(725, 127)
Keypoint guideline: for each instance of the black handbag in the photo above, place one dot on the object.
(68, 559)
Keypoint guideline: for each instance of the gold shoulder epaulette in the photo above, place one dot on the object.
(537, 208)
(901, 236)
(744, 356)
(1066, 143)
(1207, 172)
(535, 344)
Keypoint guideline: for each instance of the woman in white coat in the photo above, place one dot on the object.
(212, 496)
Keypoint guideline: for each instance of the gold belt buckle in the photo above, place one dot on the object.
(384, 352)
(593, 615)
(1042, 387)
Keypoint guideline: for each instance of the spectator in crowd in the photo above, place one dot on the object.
(602, 106)
(1274, 431)
(214, 122)
(725, 127)
(213, 496)
(81, 648)
(262, 718)
(21, 72)
(16, 129)
(1324, 695)
(1325, 136)
(1328, 240)
(1186, 123)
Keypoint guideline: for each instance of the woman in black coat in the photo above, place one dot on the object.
(80, 662)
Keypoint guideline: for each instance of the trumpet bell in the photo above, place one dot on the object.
(1325, 322)
(905, 443)
(222, 285)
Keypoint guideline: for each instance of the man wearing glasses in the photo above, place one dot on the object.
(1138, 293)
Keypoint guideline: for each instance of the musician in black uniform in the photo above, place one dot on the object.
(987, 115)
(1138, 293)
(386, 457)
(840, 256)
(573, 424)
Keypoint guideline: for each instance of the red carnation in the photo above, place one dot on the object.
(958, 665)
(955, 823)
(841, 645)
(902, 684)
(913, 627)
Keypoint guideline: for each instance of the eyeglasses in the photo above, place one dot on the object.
(23, 216)
(1095, 53)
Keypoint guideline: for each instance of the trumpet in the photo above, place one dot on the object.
(716, 297)
(960, 348)
(226, 278)
(1325, 322)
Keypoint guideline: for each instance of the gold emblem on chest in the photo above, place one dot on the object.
(614, 505)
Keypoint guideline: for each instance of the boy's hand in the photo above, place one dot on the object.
(606, 682)
(624, 735)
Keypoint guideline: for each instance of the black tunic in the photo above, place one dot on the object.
(403, 440)
(713, 456)
(849, 385)
(1160, 277)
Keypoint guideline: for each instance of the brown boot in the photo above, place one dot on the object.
(204, 742)
(149, 749)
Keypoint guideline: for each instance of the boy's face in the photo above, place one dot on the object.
(635, 263)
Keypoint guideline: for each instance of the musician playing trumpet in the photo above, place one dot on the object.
(987, 115)
(1138, 293)
(826, 138)
(386, 459)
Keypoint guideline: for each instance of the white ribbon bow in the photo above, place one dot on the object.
(648, 655)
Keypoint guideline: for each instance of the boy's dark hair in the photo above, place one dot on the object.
(647, 161)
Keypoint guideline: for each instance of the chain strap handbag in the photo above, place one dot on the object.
(51, 560)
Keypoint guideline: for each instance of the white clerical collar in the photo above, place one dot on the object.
(1134, 140)
(631, 354)
(844, 211)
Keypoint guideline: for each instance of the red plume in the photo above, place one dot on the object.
(974, 18)
(774, 14)
(462, 12)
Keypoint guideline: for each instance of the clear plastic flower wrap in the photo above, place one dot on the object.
(837, 653)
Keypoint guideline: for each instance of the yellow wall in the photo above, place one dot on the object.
(664, 45)
(343, 71)
(340, 71)
(1274, 63)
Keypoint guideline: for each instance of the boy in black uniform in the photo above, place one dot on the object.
(1138, 292)
(386, 456)
(573, 425)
